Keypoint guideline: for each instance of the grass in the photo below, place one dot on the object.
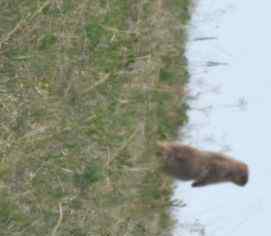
(86, 90)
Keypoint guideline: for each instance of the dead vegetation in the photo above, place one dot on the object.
(86, 89)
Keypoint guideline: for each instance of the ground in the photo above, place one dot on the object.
(87, 88)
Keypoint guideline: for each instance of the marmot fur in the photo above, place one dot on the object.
(203, 167)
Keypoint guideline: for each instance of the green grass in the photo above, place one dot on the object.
(87, 88)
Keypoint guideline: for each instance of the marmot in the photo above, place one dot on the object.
(203, 167)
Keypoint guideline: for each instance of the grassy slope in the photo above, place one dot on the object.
(86, 89)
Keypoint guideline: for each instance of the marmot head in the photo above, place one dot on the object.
(167, 150)
(164, 147)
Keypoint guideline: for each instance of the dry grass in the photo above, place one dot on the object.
(86, 89)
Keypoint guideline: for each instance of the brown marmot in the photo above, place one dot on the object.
(204, 167)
